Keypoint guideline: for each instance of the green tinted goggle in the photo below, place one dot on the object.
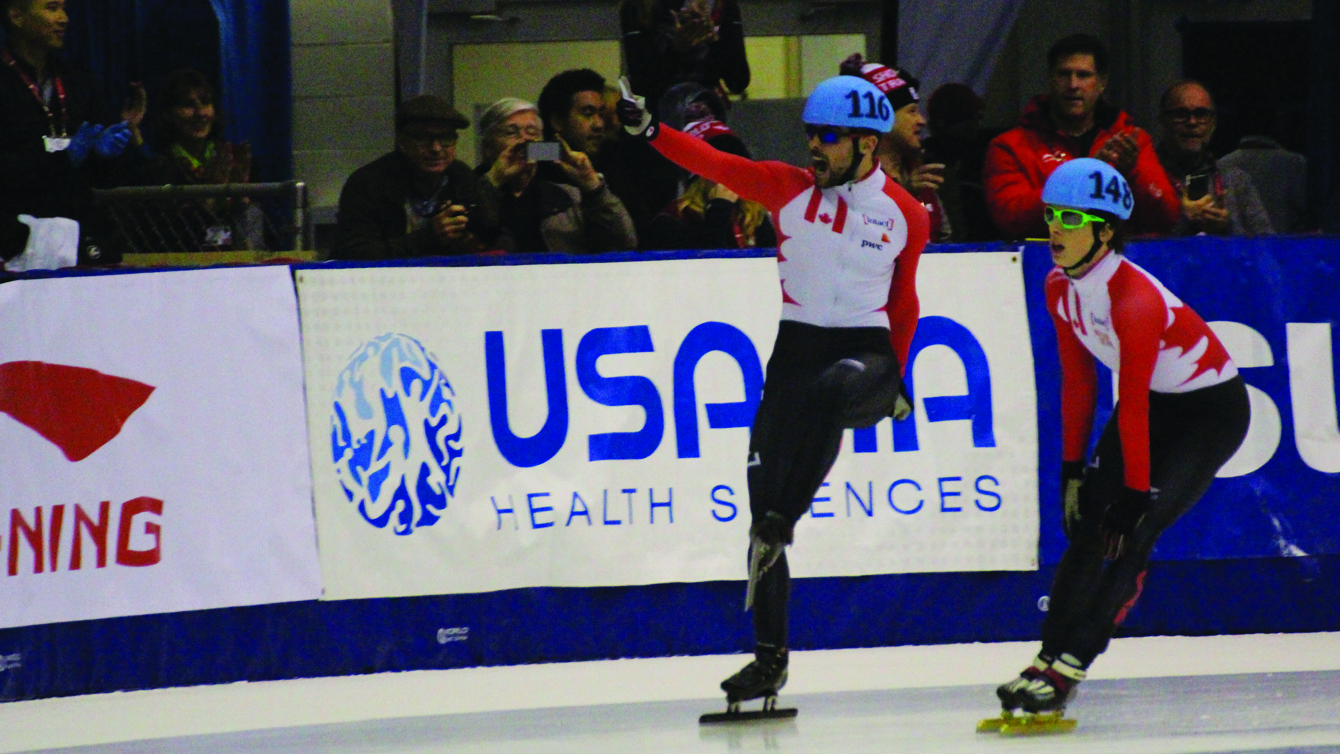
(1070, 218)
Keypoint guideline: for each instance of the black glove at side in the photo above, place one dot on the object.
(1072, 478)
(1122, 517)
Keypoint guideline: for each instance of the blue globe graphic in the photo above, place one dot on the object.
(396, 434)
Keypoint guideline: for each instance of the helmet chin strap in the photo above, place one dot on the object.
(1093, 250)
(856, 158)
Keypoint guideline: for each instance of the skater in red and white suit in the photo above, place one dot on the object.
(1181, 413)
(849, 241)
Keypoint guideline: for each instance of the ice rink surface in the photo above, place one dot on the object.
(1274, 694)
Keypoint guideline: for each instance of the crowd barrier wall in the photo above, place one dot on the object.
(944, 530)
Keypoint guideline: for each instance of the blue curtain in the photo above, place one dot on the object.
(945, 41)
(241, 45)
(257, 81)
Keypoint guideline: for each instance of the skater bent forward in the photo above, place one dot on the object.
(850, 238)
(1181, 414)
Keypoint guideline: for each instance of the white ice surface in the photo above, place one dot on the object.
(1277, 693)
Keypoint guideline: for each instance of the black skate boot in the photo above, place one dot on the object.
(1008, 692)
(763, 677)
(1054, 688)
(1042, 692)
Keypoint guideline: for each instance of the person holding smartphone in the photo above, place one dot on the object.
(579, 215)
(1216, 199)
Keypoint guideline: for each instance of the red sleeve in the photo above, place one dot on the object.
(1157, 207)
(1012, 196)
(904, 308)
(771, 184)
(1079, 377)
(1139, 316)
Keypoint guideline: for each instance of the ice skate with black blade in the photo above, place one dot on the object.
(1035, 702)
(762, 678)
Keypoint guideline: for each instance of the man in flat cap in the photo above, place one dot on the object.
(419, 200)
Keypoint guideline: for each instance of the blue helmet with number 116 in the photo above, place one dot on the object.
(849, 102)
(1086, 183)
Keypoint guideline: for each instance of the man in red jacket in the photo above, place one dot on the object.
(1073, 120)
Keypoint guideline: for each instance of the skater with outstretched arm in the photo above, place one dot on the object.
(850, 238)
(1181, 413)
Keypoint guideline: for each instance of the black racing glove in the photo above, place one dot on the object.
(633, 113)
(1072, 478)
(1122, 517)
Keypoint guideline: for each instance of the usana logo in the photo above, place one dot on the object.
(396, 434)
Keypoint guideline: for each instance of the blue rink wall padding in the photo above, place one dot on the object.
(1218, 571)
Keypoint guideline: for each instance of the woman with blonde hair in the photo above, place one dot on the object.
(707, 215)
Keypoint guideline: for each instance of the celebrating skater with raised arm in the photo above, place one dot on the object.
(1181, 413)
(850, 238)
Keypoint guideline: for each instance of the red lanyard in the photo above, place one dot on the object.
(32, 87)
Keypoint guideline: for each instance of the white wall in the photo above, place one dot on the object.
(343, 92)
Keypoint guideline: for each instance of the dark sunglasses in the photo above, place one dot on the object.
(826, 134)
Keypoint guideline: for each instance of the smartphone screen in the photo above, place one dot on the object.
(543, 151)
(1197, 186)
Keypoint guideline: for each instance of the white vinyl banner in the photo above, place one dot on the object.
(153, 446)
(485, 428)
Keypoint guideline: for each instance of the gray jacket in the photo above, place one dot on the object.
(1247, 216)
(1280, 177)
(569, 220)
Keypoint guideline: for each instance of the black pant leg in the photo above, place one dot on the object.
(1191, 437)
(1077, 576)
(772, 596)
(796, 437)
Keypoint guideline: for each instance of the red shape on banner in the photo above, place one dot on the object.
(79, 410)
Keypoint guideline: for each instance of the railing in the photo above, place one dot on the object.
(224, 217)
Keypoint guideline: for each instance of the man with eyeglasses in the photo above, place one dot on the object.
(1216, 199)
(1073, 120)
(419, 200)
(851, 238)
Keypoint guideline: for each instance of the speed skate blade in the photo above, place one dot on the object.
(713, 718)
(1042, 723)
(994, 724)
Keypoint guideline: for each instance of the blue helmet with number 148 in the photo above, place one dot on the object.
(849, 102)
(1086, 183)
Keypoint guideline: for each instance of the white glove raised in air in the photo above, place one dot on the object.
(633, 113)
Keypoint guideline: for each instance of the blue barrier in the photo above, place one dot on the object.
(1219, 571)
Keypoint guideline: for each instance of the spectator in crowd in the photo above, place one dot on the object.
(1073, 120)
(707, 215)
(418, 200)
(51, 151)
(1215, 199)
(1280, 176)
(899, 150)
(668, 42)
(571, 109)
(957, 141)
(189, 149)
(579, 215)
